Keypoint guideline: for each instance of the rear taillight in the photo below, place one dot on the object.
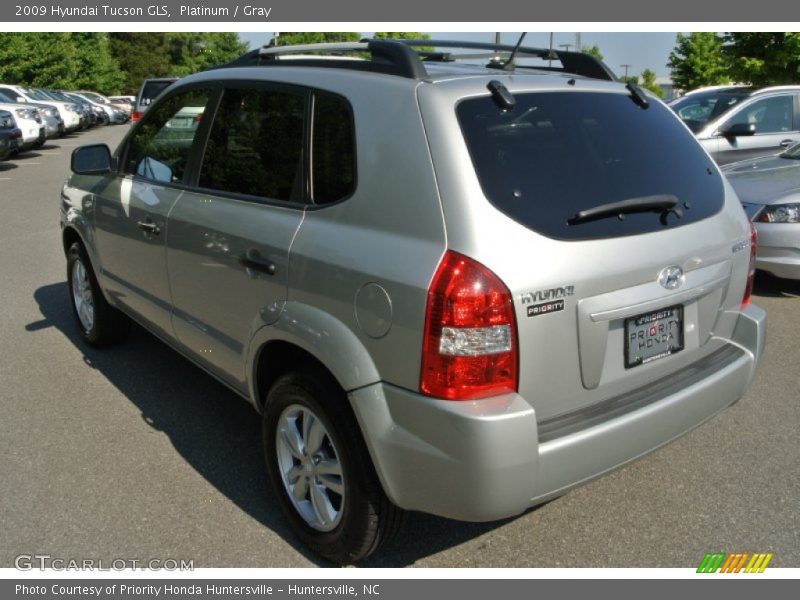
(136, 116)
(751, 269)
(469, 347)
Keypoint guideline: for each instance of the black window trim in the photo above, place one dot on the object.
(191, 176)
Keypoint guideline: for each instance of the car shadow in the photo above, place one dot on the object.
(6, 165)
(775, 287)
(214, 430)
(26, 154)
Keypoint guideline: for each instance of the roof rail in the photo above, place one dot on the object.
(576, 63)
(387, 56)
(401, 57)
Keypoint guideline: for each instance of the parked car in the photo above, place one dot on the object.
(9, 135)
(107, 112)
(735, 123)
(454, 289)
(83, 108)
(150, 90)
(30, 124)
(126, 103)
(769, 189)
(66, 110)
(53, 125)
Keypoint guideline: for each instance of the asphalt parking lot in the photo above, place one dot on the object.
(133, 453)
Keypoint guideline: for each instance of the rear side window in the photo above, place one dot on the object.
(159, 150)
(333, 150)
(256, 145)
(555, 154)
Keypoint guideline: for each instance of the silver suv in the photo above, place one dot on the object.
(446, 288)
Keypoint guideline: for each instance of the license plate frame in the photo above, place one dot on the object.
(665, 327)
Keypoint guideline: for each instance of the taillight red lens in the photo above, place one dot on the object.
(751, 272)
(136, 116)
(470, 342)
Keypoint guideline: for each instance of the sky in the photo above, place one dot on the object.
(640, 50)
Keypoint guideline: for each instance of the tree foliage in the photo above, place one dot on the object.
(648, 82)
(59, 60)
(697, 60)
(763, 58)
(316, 37)
(593, 51)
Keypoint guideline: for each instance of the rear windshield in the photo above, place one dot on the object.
(555, 154)
(151, 90)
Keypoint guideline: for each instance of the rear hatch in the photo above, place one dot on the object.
(620, 242)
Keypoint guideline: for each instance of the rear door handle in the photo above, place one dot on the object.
(786, 143)
(148, 226)
(253, 260)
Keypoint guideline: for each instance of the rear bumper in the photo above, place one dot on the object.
(490, 459)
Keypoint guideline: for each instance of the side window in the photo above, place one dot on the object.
(333, 170)
(770, 115)
(256, 145)
(160, 148)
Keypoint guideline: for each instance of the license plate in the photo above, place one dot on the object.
(653, 335)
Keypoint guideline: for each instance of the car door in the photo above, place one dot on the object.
(776, 127)
(228, 247)
(132, 208)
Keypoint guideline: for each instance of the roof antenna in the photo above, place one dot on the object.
(509, 64)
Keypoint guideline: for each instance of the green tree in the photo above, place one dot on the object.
(96, 68)
(191, 52)
(316, 37)
(633, 79)
(763, 58)
(401, 35)
(593, 51)
(140, 55)
(59, 60)
(648, 79)
(697, 60)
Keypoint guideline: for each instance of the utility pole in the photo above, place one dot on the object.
(566, 46)
(626, 67)
(497, 38)
(578, 46)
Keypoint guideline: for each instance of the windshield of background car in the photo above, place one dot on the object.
(151, 90)
(36, 95)
(557, 153)
(698, 109)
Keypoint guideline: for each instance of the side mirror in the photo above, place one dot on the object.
(738, 129)
(91, 160)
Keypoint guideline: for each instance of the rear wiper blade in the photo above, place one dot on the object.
(663, 203)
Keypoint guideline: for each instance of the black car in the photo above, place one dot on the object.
(9, 135)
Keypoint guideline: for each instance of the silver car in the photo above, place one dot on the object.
(449, 288)
(769, 188)
(736, 123)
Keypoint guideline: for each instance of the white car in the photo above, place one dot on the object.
(66, 110)
(30, 123)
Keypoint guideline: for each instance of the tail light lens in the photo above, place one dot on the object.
(751, 271)
(136, 116)
(470, 341)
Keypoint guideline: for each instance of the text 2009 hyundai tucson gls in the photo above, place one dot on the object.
(447, 288)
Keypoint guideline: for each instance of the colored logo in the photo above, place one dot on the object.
(737, 562)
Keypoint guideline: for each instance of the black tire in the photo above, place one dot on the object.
(368, 519)
(108, 325)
